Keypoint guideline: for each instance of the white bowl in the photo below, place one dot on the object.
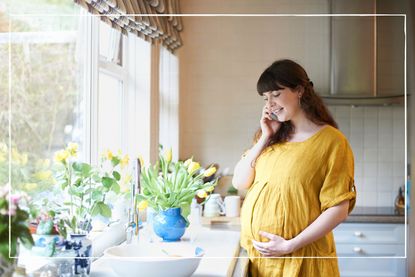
(153, 259)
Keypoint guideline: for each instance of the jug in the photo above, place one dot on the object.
(214, 206)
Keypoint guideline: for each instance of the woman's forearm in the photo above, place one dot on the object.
(244, 172)
(326, 222)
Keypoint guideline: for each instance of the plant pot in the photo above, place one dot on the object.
(169, 224)
(46, 245)
(82, 247)
(7, 267)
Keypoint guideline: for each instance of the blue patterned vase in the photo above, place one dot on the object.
(82, 247)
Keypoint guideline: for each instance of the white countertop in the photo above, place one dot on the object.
(220, 248)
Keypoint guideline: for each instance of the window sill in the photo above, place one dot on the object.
(110, 236)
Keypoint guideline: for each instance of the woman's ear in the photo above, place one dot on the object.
(300, 90)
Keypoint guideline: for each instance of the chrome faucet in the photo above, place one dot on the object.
(133, 216)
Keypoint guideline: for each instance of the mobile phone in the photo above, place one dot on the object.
(274, 116)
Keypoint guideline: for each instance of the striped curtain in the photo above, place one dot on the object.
(134, 16)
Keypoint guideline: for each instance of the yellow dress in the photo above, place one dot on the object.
(294, 183)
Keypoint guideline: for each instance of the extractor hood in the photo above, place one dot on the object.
(367, 54)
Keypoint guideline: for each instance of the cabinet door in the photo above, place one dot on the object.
(370, 250)
(372, 267)
(370, 233)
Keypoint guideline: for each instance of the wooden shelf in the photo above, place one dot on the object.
(221, 219)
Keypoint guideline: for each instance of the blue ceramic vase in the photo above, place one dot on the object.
(82, 248)
(169, 224)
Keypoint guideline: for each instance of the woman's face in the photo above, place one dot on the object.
(284, 103)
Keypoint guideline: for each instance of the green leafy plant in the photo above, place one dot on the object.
(19, 230)
(168, 184)
(85, 187)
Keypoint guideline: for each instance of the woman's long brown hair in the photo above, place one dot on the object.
(290, 74)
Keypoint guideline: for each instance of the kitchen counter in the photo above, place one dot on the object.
(375, 215)
(358, 215)
(221, 249)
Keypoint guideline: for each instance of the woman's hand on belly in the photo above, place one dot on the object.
(276, 246)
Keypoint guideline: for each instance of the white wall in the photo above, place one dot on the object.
(220, 63)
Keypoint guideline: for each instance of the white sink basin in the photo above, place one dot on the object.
(153, 259)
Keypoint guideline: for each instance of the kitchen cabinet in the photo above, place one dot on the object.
(371, 249)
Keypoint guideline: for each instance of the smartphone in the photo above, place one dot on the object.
(274, 116)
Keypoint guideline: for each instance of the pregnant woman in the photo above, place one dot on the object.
(300, 179)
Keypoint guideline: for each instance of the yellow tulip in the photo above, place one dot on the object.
(142, 205)
(126, 179)
(23, 159)
(193, 167)
(61, 156)
(2, 157)
(3, 147)
(124, 183)
(201, 194)
(109, 155)
(168, 155)
(72, 149)
(209, 172)
(15, 155)
(124, 161)
(46, 163)
(210, 189)
(188, 162)
(43, 175)
(30, 186)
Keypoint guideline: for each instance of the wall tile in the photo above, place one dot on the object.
(370, 141)
(370, 184)
(385, 184)
(385, 113)
(384, 199)
(358, 169)
(370, 112)
(385, 169)
(385, 154)
(370, 155)
(376, 135)
(370, 169)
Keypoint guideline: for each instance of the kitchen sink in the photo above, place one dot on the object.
(153, 259)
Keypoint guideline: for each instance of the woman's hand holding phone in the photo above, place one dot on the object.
(269, 123)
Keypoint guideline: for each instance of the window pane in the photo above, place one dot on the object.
(110, 44)
(169, 101)
(109, 113)
(46, 97)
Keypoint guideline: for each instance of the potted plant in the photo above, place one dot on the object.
(168, 187)
(85, 188)
(13, 223)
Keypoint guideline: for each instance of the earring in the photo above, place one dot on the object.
(299, 100)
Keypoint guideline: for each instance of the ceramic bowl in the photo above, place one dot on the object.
(168, 259)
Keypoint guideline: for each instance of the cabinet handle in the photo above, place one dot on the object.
(357, 250)
(358, 234)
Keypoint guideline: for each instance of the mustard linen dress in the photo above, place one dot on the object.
(294, 183)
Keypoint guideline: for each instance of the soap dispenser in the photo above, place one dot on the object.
(400, 202)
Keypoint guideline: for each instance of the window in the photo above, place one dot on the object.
(46, 96)
(75, 79)
(169, 101)
(111, 90)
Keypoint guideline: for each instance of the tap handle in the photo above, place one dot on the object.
(138, 174)
(137, 221)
